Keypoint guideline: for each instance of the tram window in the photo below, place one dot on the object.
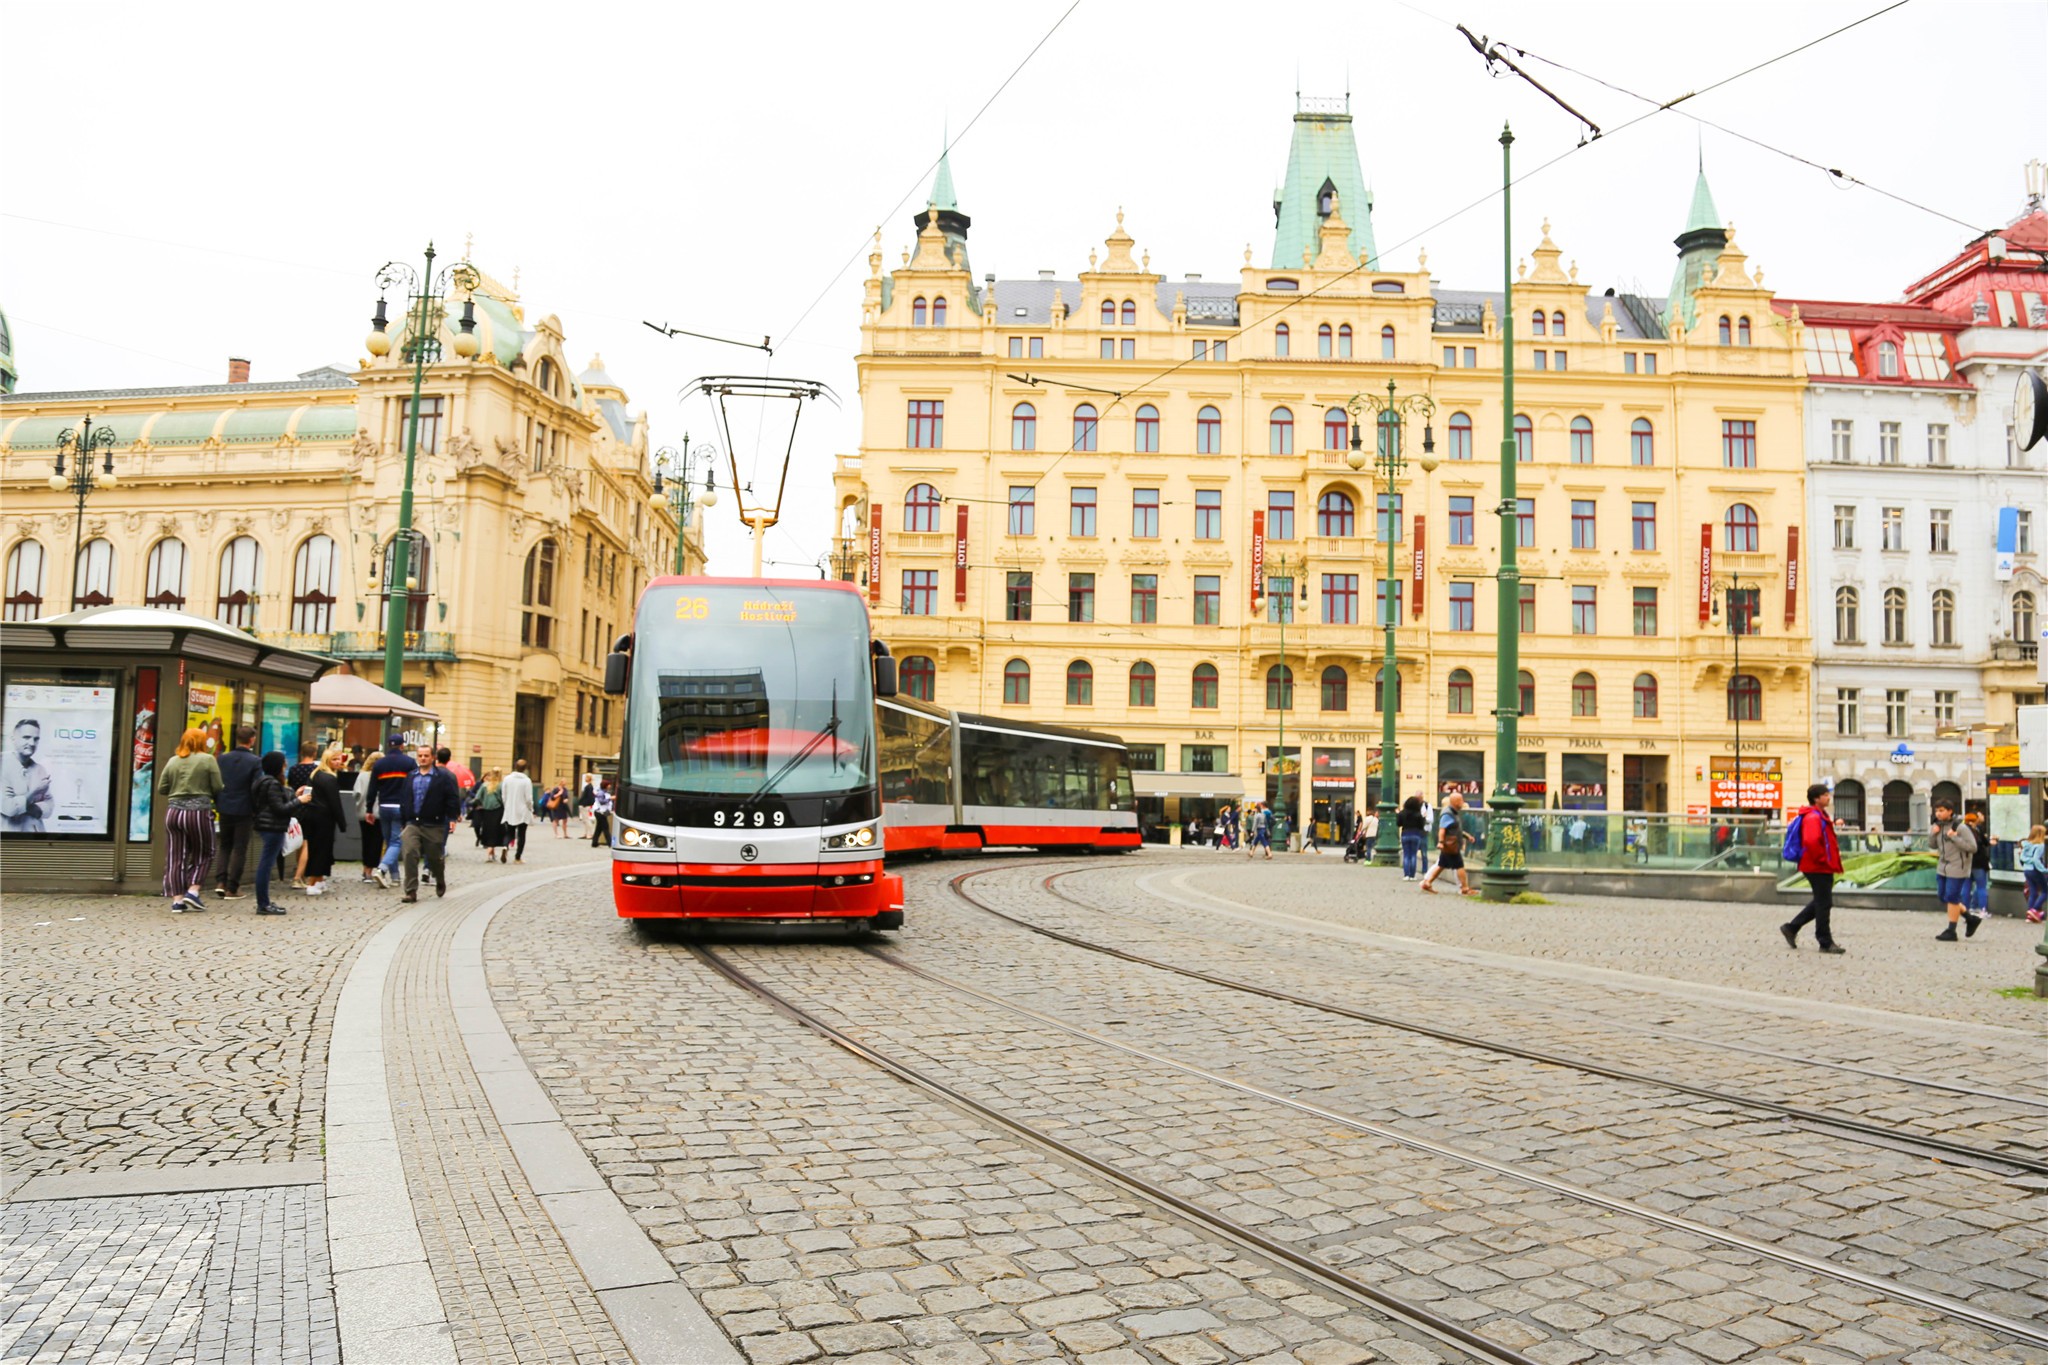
(1044, 773)
(914, 755)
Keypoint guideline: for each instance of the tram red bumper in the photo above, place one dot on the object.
(751, 891)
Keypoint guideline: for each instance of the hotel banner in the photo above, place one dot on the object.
(1706, 571)
(875, 554)
(1415, 588)
(1791, 574)
(960, 557)
(1258, 557)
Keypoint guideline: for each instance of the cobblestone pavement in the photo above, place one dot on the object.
(820, 1207)
(202, 1278)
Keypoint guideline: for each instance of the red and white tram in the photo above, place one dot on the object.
(767, 765)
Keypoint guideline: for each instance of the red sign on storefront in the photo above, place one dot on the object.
(960, 556)
(1258, 557)
(1706, 570)
(1415, 588)
(875, 554)
(1791, 574)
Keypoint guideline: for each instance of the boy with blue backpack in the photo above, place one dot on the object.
(1810, 842)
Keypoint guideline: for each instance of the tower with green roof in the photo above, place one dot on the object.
(952, 222)
(1322, 172)
(1699, 247)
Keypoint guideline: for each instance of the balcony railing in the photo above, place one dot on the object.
(437, 645)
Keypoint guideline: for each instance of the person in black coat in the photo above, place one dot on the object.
(272, 808)
(323, 819)
(238, 774)
(436, 804)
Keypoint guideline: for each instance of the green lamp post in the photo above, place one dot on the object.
(1507, 858)
(81, 443)
(1389, 463)
(672, 469)
(425, 290)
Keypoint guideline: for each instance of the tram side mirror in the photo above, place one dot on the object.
(885, 670)
(617, 665)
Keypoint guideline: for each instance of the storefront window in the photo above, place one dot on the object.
(1462, 771)
(1584, 781)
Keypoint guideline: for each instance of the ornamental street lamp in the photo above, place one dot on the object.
(1740, 615)
(81, 443)
(425, 290)
(676, 465)
(1389, 464)
(1507, 858)
(1293, 571)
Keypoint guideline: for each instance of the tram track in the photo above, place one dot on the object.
(1298, 1255)
(1893, 1137)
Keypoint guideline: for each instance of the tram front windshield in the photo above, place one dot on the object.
(747, 690)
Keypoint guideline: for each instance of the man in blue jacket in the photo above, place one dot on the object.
(436, 804)
(238, 769)
(391, 798)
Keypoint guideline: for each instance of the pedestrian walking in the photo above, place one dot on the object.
(487, 813)
(2034, 871)
(1953, 846)
(1810, 840)
(1980, 868)
(301, 775)
(1450, 846)
(1414, 827)
(187, 785)
(600, 813)
(239, 769)
(391, 788)
(585, 799)
(518, 793)
(435, 804)
(322, 820)
(272, 808)
(1260, 834)
(555, 805)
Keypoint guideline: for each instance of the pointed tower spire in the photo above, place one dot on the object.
(942, 183)
(1322, 168)
(1699, 250)
(946, 204)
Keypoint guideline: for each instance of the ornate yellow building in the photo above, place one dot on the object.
(1063, 486)
(272, 505)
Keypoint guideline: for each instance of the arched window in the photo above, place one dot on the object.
(1946, 794)
(1742, 331)
(1084, 427)
(1745, 697)
(1585, 695)
(1208, 432)
(1849, 802)
(1740, 532)
(241, 581)
(314, 571)
(1642, 442)
(1386, 343)
(1582, 440)
(1325, 339)
(163, 580)
(1898, 806)
(1895, 616)
(543, 379)
(25, 581)
(1461, 436)
(1525, 439)
(1280, 339)
(1280, 432)
(1145, 433)
(1944, 632)
(939, 311)
(1536, 321)
(1646, 697)
(1335, 515)
(918, 676)
(1023, 427)
(1727, 331)
(1336, 429)
(1130, 313)
(921, 508)
(1888, 359)
(92, 576)
(1847, 614)
(1557, 324)
(1525, 693)
(1344, 342)
(1336, 689)
(917, 311)
(1204, 688)
(1109, 312)
(2023, 616)
(1460, 692)
(1080, 683)
(537, 596)
(1144, 684)
(1379, 699)
(1279, 688)
(1017, 683)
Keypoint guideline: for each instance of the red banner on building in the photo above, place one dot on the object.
(960, 557)
(1415, 587)
(1258, 557)
(1706, 571)
(874, 554)
(1791, 574)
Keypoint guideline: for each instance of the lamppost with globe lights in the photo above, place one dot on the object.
(1389, 464)
(80, 444)
(1295, 572)
(425, 291)
(672, 468)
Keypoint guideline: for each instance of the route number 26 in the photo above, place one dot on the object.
(739, 818)
(692, 609)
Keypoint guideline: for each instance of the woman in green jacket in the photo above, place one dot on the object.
(186, 785)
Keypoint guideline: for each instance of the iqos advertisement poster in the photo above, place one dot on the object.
(57, 766)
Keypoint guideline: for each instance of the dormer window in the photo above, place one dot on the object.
(917, 311)
(544, 375)
(1888, 359)
(1326, 200)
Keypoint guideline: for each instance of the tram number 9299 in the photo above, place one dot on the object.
(742, 819)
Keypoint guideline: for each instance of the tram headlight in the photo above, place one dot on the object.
(632, 836)
(852, 840)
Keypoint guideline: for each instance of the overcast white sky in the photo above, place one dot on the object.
(186, 182)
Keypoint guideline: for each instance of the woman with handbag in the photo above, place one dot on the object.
(272, 809)
(321, 820)
(1450, 846)
(487, 812)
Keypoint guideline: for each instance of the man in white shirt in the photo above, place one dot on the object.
(517, 793)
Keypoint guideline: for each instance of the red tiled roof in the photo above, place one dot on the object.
(1829, 312)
